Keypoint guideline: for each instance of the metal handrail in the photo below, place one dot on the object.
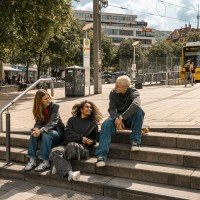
(22, 94)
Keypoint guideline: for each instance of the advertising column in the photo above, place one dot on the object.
(86, 60)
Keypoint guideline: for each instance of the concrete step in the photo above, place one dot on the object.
(16, 140)
(162, 139)
(115, 187)
(171, 156)
(143, 171)
(172, 140)
(146, 171)
(16, 154)
(162, 155)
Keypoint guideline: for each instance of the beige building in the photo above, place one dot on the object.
(120, 26)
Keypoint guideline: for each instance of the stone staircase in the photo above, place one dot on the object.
(166, 167)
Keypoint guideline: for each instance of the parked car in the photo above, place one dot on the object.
(104, 76)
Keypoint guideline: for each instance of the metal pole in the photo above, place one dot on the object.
(198, 18)
(97, 59)
(7, 137)
(52, 88)
(133, 54)
(20, 96)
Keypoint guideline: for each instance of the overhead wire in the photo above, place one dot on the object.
(153, 14)
(178, 5)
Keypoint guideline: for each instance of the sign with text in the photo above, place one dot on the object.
(86, 60)
(147, 29)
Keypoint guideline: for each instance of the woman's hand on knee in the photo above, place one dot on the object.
(36, 132)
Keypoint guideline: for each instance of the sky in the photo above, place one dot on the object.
(165, 15)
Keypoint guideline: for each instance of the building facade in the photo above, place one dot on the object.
(180, 34)
(120, 26)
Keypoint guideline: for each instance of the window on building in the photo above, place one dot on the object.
(126, 32)
(117, 40)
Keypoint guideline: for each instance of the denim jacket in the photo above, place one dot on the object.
(54, 123)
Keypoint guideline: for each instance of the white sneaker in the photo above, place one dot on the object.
(74, 175)
(135, 146)
(30, 165)
(100, 162)
(43, 166)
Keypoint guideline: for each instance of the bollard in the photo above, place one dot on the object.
(7, 137)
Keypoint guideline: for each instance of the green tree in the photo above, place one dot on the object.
(66, 49)
(193, 37)
(159, 49)
(108, 52)
(176, 49)
(126, 49)
(29, 26)
(126, 52)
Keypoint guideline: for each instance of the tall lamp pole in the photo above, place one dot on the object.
(97, 5)
(134, 65)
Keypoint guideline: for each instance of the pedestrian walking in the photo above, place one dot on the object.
(187, 72)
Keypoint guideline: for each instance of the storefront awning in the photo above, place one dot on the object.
(11, 69)
(31, 69)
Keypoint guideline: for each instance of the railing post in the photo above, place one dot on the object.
(21, 95)
(7, 137)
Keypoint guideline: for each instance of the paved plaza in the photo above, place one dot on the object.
(165, 106)
(12, 189)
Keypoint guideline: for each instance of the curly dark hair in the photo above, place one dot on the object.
(95, 114)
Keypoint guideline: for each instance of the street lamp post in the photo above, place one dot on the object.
(134, 65)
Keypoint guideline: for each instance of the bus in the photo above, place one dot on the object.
(191, 51)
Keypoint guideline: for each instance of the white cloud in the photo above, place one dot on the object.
(141, 8)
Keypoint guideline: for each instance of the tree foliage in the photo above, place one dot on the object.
(193, 37)
(108, 52)
(29, 26)
(159, 49)
(176, 49)
(126, 49)
(66, 49)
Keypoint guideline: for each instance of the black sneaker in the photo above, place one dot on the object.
(100, 162)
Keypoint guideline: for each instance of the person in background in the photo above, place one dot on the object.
(187, 72)
(192, 71)
(21, 82)
(13, 81)
(47, 131)
(80, 135)
(125, 112)
(8, 80)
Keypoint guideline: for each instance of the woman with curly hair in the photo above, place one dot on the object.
(48, 130)
(80, 135)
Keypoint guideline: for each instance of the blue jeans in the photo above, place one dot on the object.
(47, 140)
(108, 129)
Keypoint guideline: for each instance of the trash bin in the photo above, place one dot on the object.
(138, 83)
(74, 81)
